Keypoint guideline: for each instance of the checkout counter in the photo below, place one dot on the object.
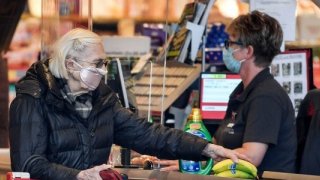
(140, 174)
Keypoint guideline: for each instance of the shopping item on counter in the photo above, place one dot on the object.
(227, 168)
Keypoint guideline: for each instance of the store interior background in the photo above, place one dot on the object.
(127, 18)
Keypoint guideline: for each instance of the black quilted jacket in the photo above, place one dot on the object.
(308, 131)
(50, 140)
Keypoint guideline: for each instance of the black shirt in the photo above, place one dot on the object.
(261, 113)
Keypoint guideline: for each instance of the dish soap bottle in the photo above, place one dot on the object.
(196, 127)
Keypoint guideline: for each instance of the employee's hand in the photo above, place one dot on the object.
(93, 173)
(219, 153)
(216, 152)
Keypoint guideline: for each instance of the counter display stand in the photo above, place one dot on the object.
(174, 76)
(179, 77)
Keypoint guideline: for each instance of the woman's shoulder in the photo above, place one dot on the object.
(271, 90)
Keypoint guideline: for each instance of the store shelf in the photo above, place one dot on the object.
(102, 20)
(16, 74)
(73, 18)
(178, 78)
(155, 20)
(303, 44)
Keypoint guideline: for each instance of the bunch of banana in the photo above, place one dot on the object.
(242, 169)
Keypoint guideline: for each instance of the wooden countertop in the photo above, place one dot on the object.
(140, 174)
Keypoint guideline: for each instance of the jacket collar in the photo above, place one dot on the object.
(39, 81)
(241, 94)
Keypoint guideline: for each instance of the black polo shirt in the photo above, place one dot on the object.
(262, 113)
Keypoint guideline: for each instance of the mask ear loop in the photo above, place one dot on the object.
(244, 59)
(77, 63)
(97, 70)
(241, 61)
(101, 71)
(235, 50)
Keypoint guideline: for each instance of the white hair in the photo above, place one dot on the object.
(73, 43)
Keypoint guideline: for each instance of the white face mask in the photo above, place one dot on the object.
(91, 76)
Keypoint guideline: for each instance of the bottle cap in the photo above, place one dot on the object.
(195, 115)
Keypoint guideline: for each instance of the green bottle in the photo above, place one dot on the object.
(196, 127)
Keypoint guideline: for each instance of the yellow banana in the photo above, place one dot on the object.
(235, 174)
(228, 164)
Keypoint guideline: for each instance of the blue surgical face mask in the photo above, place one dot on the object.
(232, 64)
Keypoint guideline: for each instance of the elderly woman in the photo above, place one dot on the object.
(260, 118)
(64, 119)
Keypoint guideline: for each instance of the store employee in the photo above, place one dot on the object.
(260, 117)
(64, 119)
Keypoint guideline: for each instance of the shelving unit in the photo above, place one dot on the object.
(303, 44)
(178, 78)
(15, 74)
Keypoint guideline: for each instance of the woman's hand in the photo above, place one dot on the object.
(170, 165)
(219, 153)
(93, 173)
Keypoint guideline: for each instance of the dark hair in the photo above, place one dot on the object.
(262, 32)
